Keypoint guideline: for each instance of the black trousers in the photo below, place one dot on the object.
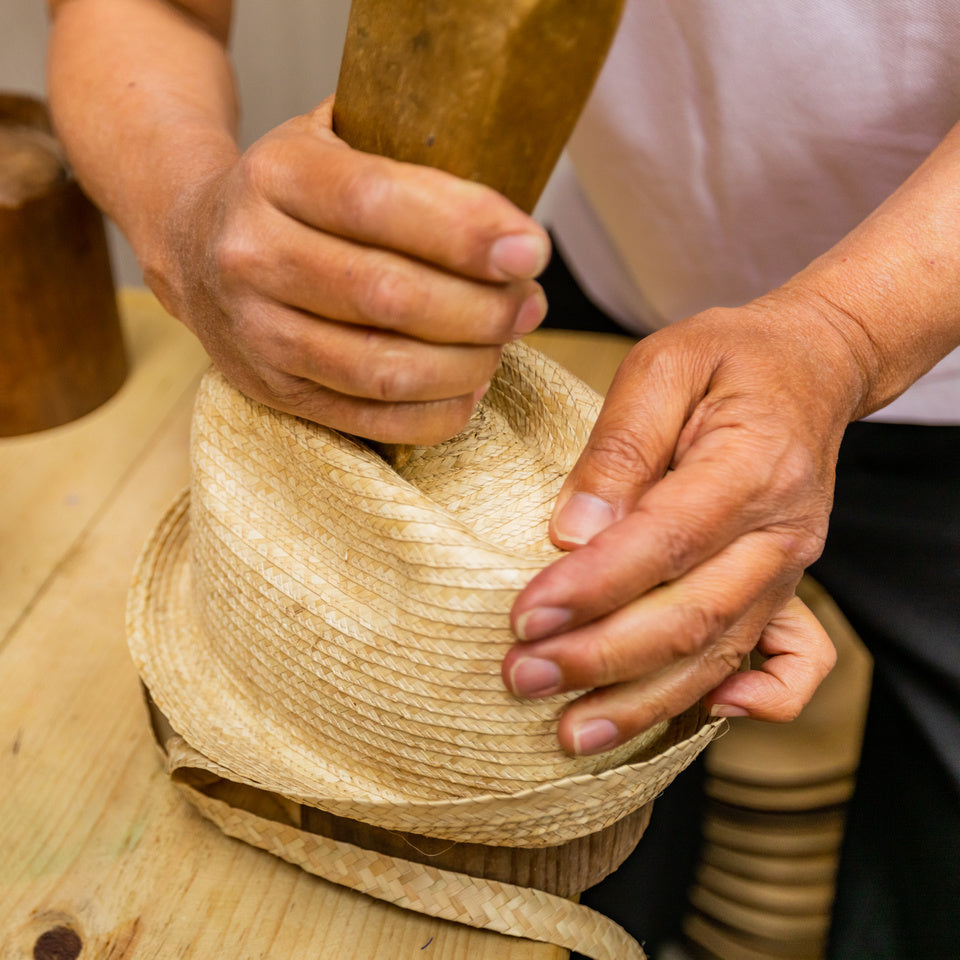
(892, 563)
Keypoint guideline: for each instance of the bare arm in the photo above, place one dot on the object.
(143, 96)
(366, 294)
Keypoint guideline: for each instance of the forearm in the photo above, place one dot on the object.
(151, 83)
(892, 286)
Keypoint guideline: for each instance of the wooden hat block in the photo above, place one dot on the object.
(61, 346)
(565, 870)
(787, 897)
(770, 868)
(807, 833)
(709, 939)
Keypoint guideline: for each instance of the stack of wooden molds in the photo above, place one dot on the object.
(775, 813)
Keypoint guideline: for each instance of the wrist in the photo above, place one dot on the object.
(851, 365)
(896, 314)
(824, 353)
(169, 239)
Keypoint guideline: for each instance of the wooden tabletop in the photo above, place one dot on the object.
(99, 856)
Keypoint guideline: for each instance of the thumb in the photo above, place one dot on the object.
(630, 448)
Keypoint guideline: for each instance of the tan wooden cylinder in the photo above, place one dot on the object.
(61, 346)
(566, 870)
(489, 90)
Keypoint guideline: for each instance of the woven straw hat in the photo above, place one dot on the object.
(319, 625)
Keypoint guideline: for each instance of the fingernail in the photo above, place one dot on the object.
(533, 677)
(594, 736)
(520, 255)
(583, 516)
(541, 622)
(531, 314)
(728, 710)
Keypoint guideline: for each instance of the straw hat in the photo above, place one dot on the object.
(319, 625)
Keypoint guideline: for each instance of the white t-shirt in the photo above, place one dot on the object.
(730, 142)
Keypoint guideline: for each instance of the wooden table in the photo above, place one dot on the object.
(99, 856)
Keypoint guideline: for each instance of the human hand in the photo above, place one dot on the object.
(701, 497)
(365, 294)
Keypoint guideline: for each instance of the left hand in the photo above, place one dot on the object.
(701, 497)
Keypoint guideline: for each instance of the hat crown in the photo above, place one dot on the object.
(366, 610)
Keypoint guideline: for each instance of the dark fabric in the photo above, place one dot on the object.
(647, 896)
(569, 308)
(892, 563)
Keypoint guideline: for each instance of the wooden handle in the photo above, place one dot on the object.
(489, 90)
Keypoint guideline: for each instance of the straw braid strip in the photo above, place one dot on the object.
(506, 908)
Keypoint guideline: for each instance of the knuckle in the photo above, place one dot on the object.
(699, 626)
(275, 348)
(728, 658)
(678, 548)
(238, 258)
(602, 663)
(471, 215)
(364, 196)
(284, 391)
(420, 424)
(496, 312)
(828, 659)
(800, 542)
(392, 379)
(793, 474)
(773, 704)
(620, 454)
(821, 652)
(809, 548)
(788, 708)
(388, 300)
(659, 708)
(259, 165)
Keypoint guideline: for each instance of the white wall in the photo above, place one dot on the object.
(287, 54)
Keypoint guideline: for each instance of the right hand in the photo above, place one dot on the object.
(368, 295)
(703, 493)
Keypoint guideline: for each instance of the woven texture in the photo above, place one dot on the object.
(503, 907)
(330, 629)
